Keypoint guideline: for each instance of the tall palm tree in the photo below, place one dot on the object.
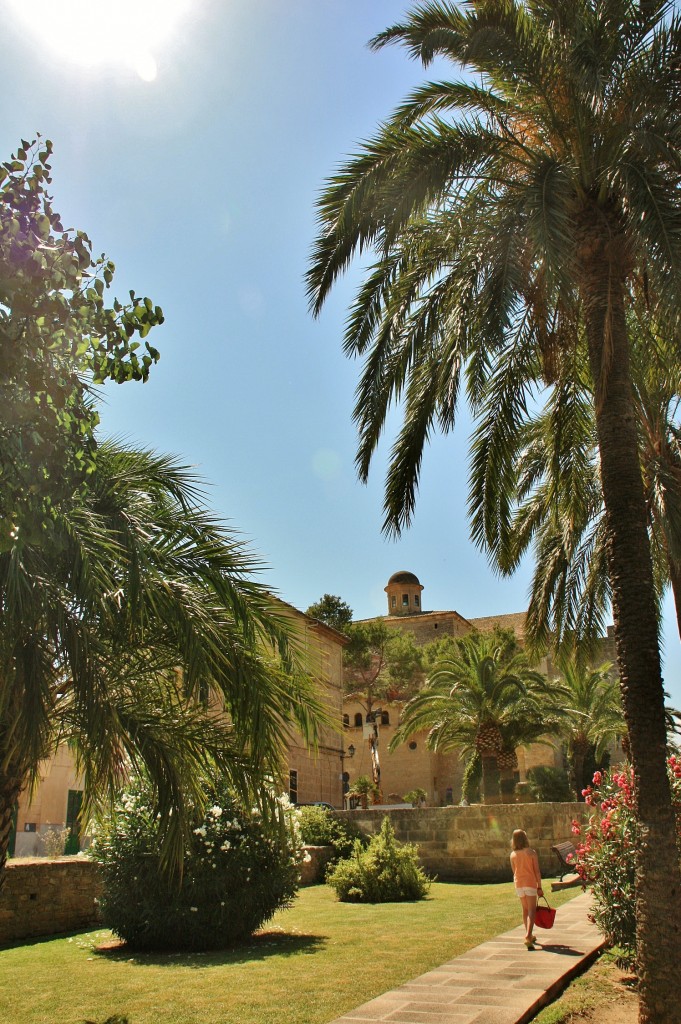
(481, 698)
(545, 181)
(127, 632)
(538, 484)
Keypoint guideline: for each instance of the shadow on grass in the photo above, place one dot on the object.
(260, 947)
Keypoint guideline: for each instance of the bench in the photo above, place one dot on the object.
(562, 852)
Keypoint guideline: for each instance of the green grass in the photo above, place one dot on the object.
(315, 961)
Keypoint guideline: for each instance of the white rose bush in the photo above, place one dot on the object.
(240, 866)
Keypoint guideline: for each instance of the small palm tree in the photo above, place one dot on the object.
(477, 698)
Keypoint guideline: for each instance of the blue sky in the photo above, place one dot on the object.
(200, 185)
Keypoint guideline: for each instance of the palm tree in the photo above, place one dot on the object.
(504, 209)
(480, 698)
(586, 704)
(539, 485)
(128, 631)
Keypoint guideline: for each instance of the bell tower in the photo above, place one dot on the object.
(404, 594)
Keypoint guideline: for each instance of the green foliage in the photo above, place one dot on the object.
(606, 849)
(380, 663)
(549, 785)
(415, 796)
(364, 788)
(320, 827)
(332, 610)
(472, 778)
(146, 604)
(240, 866)
(385, 872)
(57, 337)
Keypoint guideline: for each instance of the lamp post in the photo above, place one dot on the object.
(345, 782)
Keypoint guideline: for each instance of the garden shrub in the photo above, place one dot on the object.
(239, 868)
(385, 872)
(606, 858)
(320, 827)
(550, 785)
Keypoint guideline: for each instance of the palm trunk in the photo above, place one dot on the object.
(11, 786)
(490, 779)
(658, 879)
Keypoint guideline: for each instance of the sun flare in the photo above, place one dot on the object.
(94, 33)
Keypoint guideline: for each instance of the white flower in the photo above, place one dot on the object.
(200, 831)
(194, 910)
(216, 811)
(226, 845)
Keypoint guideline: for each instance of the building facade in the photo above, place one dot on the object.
(412, 766)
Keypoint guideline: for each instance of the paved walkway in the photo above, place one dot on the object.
(499, 982)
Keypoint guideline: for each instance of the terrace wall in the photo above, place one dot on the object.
(46, 897)
(472, 844)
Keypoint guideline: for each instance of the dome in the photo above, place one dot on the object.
(404, 577)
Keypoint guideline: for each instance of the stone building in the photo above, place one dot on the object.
(310, 776)
(412, 766)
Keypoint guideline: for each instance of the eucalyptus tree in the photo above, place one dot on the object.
(481, 698)
(495, 206)
(140, 637)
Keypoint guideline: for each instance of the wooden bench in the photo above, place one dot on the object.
(562, 852)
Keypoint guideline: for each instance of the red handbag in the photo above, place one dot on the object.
(545, 916)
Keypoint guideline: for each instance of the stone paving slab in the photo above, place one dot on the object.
(498, 982)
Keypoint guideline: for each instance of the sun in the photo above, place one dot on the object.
(98, 32)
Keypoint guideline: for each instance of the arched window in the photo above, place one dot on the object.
(358, 720)
(385, 718)
(346, 719)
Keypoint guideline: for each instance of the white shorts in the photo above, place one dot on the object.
(527, 891)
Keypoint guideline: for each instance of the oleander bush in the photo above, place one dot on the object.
(240, 866)
(320, 827)
(386, 871)
(606, 850)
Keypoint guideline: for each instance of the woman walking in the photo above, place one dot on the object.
(527, 880)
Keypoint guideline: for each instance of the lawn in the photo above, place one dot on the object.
(312, 963)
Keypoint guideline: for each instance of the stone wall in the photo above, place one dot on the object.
(472, 844)
(46, 897)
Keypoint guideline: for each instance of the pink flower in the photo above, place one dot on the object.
(598, 778)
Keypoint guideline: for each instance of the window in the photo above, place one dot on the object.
(412, 745)
(416, 600)
(346, 719)
(358, 720)
(293, 786)
(393, 602)
(405, 600)
(385, 718)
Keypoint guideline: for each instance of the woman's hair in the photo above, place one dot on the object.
(519, 840)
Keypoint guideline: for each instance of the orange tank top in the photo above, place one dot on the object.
(526, 869)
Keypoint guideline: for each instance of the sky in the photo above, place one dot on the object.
(191, 139)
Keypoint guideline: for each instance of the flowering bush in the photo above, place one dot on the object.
(385, 872)
(239, 868)
(605, 857)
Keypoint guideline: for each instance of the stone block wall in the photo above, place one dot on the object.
(473, 844)
(46, 897)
